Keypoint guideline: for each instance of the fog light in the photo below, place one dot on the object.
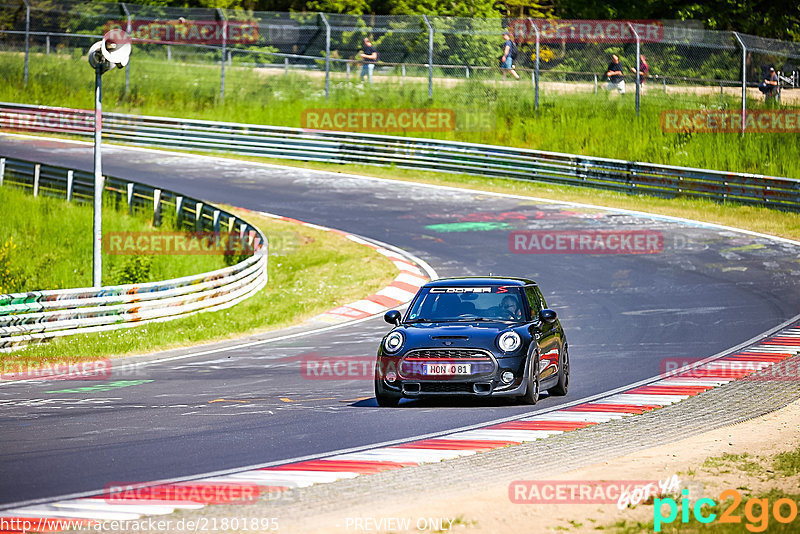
(508, 377)
(391, 377)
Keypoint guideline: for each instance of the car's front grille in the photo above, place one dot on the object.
(445, 387)
(449, 353)
(415, 362)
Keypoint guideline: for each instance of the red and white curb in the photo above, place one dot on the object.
(672, 387)
(396, 294)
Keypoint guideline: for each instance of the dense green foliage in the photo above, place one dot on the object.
(768, 18)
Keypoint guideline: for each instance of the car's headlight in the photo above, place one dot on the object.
(393, 342)
(509, 341)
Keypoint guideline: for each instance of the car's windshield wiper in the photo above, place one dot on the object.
(473, 319)
(418, 320)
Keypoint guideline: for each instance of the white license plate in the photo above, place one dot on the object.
(447, 368)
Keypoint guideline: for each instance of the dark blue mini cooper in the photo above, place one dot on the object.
(473, 336)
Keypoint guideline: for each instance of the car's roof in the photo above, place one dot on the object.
(467, 281)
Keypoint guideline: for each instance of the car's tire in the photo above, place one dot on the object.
(531, 395)
(562, 386)
(386, 399)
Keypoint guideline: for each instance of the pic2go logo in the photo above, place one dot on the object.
(756, 511)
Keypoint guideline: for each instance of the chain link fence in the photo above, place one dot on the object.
(563, 60)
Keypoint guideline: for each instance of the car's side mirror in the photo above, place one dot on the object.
(392, 317)
(548, 316)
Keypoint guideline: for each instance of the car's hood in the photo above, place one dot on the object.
(454, 334)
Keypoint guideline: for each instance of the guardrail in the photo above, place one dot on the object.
(39, 316)
(412, 153)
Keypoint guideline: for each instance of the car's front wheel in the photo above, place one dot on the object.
(531, 395)
(562, 386)
(386, 399)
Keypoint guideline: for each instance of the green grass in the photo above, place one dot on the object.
(597, 125)
(46, 243)
(310, 272)
(787, 463)
(726, 462)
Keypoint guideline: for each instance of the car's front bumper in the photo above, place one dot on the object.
(482, 384)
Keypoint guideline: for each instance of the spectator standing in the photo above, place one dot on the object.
(769, 86)
(369, 55)
(644, 69)
(614, 75)
(508, 57)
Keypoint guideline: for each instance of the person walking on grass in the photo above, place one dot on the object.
(614, 75)
(369, 56)
(508, 57)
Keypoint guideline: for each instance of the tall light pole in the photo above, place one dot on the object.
(113, 51)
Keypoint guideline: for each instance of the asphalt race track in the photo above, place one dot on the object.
(705, 291)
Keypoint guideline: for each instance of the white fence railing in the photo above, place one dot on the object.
(39, 316)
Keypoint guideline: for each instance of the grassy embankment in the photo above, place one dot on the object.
(310, 271)
(598, 125)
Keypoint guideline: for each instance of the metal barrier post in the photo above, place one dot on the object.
(129, 29)
(178, 210)
(37, 170)
(744, 79)
(2, 170)
(430, 55)
(156, 207)
(198, 214)
(27, 40)
(221, 18)
(70, 182)
(130, 197)
(327, 54)
(97, 226)
(47, 44)
(286, 65)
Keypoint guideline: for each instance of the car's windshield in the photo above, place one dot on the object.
(496, 303)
